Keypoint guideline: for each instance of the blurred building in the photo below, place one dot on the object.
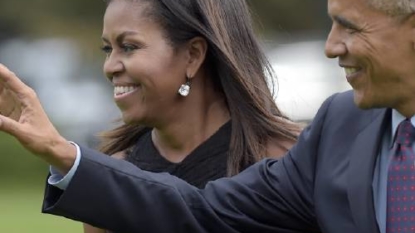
(305, 78)
(79, 100)
(74, 94)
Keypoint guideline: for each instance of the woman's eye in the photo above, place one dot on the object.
(128, 48)
(106, 49)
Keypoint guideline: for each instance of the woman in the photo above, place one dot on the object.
(191, 82)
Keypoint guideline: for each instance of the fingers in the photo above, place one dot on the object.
(12, 82)
(15, 115)
(9, 126)
(16, 90)
(8, 102)
(2, 89)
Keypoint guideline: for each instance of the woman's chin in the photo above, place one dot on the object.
(129, 120)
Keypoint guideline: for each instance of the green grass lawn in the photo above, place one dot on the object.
(22, 178)
(20, 212)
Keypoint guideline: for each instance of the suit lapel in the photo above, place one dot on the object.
(362, 163)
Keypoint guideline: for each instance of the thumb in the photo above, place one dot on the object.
(9, 126)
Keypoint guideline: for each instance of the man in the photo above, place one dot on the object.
(336, 179)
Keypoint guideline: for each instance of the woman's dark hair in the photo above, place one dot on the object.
(239, 69)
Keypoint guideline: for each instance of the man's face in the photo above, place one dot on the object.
(377, 52)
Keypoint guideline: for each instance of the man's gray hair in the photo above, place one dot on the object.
(394, 7)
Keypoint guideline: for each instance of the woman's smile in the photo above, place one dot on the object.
(121, 92)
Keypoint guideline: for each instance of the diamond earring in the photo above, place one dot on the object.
(184, 89)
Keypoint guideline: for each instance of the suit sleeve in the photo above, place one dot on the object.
(270, 196)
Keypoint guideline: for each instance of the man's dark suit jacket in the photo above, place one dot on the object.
(324, 184)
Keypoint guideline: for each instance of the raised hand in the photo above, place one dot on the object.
(8, 103)
(23, 117)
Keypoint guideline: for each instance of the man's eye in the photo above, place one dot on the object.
(351, 30)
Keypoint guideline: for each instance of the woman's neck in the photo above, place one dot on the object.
(178, 139)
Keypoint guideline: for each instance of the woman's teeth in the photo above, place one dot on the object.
(121, 90)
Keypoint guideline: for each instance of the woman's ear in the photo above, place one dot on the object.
(197, 49)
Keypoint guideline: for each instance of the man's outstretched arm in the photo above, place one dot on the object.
(270, 196)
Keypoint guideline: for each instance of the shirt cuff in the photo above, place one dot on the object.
(57, 179)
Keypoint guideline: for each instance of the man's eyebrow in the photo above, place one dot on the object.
(344, 22)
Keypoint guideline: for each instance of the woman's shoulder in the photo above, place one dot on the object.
(142, 140)
(277, 148)
(120, 154)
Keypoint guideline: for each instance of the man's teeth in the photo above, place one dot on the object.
(120, 90)
(350, 71)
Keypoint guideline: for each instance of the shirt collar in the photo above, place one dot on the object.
(397, 118)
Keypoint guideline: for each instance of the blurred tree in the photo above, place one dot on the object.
(79, 18)
(287, 17)
(8, 30)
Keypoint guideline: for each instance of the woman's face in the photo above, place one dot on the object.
(145, 70)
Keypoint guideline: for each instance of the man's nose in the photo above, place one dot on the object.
(335, 46)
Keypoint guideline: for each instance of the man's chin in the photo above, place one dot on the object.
(366, 104)
(362, 102)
